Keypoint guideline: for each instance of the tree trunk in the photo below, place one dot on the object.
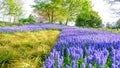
(3, 17)
(10, 19)
(52, 16)
(18, 19)
(117, 28)
(14, 19)
(66, 22)
(48, 15)
(60, 22)
(49, 18)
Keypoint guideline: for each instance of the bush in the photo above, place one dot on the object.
(28, 20)
(118, 24)
(90, 19)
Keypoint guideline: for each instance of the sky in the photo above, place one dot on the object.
(27, 7)
(105, 13)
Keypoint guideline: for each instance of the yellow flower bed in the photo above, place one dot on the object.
(26, 47)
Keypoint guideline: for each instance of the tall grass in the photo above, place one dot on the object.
(25, 49)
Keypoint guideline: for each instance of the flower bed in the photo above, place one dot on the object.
(78, 47)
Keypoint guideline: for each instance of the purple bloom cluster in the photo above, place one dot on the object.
(95, 48)
(33, 27)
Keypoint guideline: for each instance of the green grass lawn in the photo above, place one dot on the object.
(106, 29)
(25, 49)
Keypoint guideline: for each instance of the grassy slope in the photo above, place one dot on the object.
(26, 49)
(106, 29)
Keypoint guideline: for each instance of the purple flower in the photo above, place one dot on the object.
(113, 66)
(91, 45)
(90, 59)
(90, 66)
(73, 64)
(67, 66)
(60, 62)
(49, 63)
(43, 65)
(83, 65)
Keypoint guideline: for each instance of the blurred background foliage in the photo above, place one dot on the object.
(66, 11)
(52, 11)
(80, 12)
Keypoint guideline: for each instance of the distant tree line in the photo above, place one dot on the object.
(64, 11)
(115, 25)
(14, 10)
(54, 11)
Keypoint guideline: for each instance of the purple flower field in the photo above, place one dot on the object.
(78, 47)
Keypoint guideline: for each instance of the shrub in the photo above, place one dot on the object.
(28, 20)
(118, 24)
(90, 19)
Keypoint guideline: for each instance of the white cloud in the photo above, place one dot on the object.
(103, 9)
(27, 7)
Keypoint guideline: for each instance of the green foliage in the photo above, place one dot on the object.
(79, 62)
(6, 56)
(3, 24)
(69, 10)
(118, 24)
(107, 29)
(12, 8)
(67, 58)
(108, 25)
(89, 19)
(61, 11)
(28, 20)
(46, 9)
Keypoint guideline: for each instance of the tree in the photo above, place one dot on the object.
(12, 8)
(118, 24)
(87, 16)
(30, 19)
(46, 9)
(108, 25)
(1, 4)
(59, 10)
(62, 11)
(2, 11)
(72, 9)
(89, 20)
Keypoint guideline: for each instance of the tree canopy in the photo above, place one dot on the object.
(89, 20)
(60, 11)
(118, 24)
(64, 11)
(11, 8)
